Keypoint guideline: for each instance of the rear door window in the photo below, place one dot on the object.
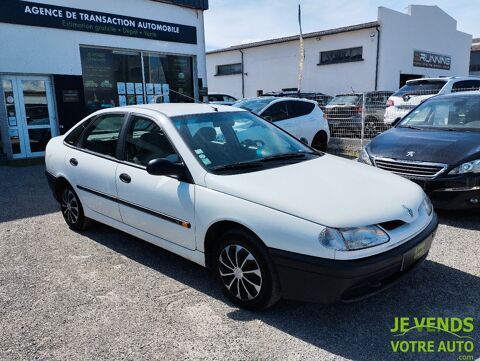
(276, 112)
(102, 135)
(299, 108)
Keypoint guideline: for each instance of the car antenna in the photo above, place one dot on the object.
(351, 87)
(195, 100)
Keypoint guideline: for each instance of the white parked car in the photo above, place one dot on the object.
(302, 118)
(269, 217)
(416, 91)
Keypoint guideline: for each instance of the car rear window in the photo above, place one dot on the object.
(421, 87)
(253, 105)
(351, 99)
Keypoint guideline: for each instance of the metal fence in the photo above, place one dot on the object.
(356, 118)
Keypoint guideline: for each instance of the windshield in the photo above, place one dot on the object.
(421, 87)
(352, 99)
(253, 105)
(239, 140)
(450, 113)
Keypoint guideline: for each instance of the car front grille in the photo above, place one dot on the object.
(410, 169)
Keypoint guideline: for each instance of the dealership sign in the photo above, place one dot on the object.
(425, 59)
(60, 17)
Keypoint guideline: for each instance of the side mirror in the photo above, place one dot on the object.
(396, 121)
(162, 166)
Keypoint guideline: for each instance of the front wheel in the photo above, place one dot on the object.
(72, 210)
(245, 272)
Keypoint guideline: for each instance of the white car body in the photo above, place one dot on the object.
(221, 99)
(304, 127)
(287, 207)
(398, 106)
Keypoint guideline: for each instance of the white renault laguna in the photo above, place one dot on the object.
(230, 191)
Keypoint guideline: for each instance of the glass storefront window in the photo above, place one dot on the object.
(12, 120)
(115, 78)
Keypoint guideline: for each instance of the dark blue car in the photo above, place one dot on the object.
(436, 145)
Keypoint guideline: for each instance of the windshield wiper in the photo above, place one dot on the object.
(410, 127)
(240, 165)
(286, 156)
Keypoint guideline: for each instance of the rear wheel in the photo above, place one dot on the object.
(320, 141)
(72, 210)
(245, 272)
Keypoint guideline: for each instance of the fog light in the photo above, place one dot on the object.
(474, 200)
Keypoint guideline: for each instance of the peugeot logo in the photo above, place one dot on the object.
(410, 212)
(411, 153)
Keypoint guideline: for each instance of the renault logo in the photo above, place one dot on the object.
(411, 153)
(410, 212)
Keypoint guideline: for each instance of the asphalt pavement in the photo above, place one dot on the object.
(104, 295)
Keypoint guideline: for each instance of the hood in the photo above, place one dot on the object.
(328, 190)
(436, 146)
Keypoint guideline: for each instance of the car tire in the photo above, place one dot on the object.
(72, 210)
(244, 270)
(320, 141)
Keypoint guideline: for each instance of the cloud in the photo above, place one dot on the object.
(232, 22)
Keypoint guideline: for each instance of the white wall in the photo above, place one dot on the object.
(273, 67)
(36, 50)
(425, 28)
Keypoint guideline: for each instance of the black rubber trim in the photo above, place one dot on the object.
(149, 211)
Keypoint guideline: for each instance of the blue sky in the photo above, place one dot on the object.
(232, 22)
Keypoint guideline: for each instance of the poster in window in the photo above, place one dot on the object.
(138, 88)
(149, 88)
(139, 99)
(158, 89)
(122, 100)
(166, 99)
(130, 99)
(121, 88)
(166, 89)
(150, 99)
(12, 121)
(130, 88)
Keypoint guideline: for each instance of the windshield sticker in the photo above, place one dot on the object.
(205, 160)
(198, 151)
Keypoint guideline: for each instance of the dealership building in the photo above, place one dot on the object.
(379, 55)
(62, 60)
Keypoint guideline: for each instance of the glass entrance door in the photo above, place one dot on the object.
(30, 114)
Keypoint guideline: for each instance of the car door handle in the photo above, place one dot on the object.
(73, 162)
(125, 178)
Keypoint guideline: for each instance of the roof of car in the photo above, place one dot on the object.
(272, 98)
(446, 78)
(458, 94)
(176, 109)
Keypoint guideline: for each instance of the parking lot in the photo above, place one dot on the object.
(102, 294)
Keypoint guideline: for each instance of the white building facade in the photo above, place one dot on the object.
(380, 55)
(63, 59)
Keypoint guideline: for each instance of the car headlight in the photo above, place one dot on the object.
(364, 157)
(351, 239)
(426, 205)
(468, 167)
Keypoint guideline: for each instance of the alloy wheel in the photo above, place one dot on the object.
(240, 272)
(69, 206)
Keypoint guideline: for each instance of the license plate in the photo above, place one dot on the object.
(416, 253)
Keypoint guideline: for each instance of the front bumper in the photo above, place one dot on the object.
(456, 192)
(321, 280)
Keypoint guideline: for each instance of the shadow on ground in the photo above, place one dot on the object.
(24, 193)
(359, 331)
